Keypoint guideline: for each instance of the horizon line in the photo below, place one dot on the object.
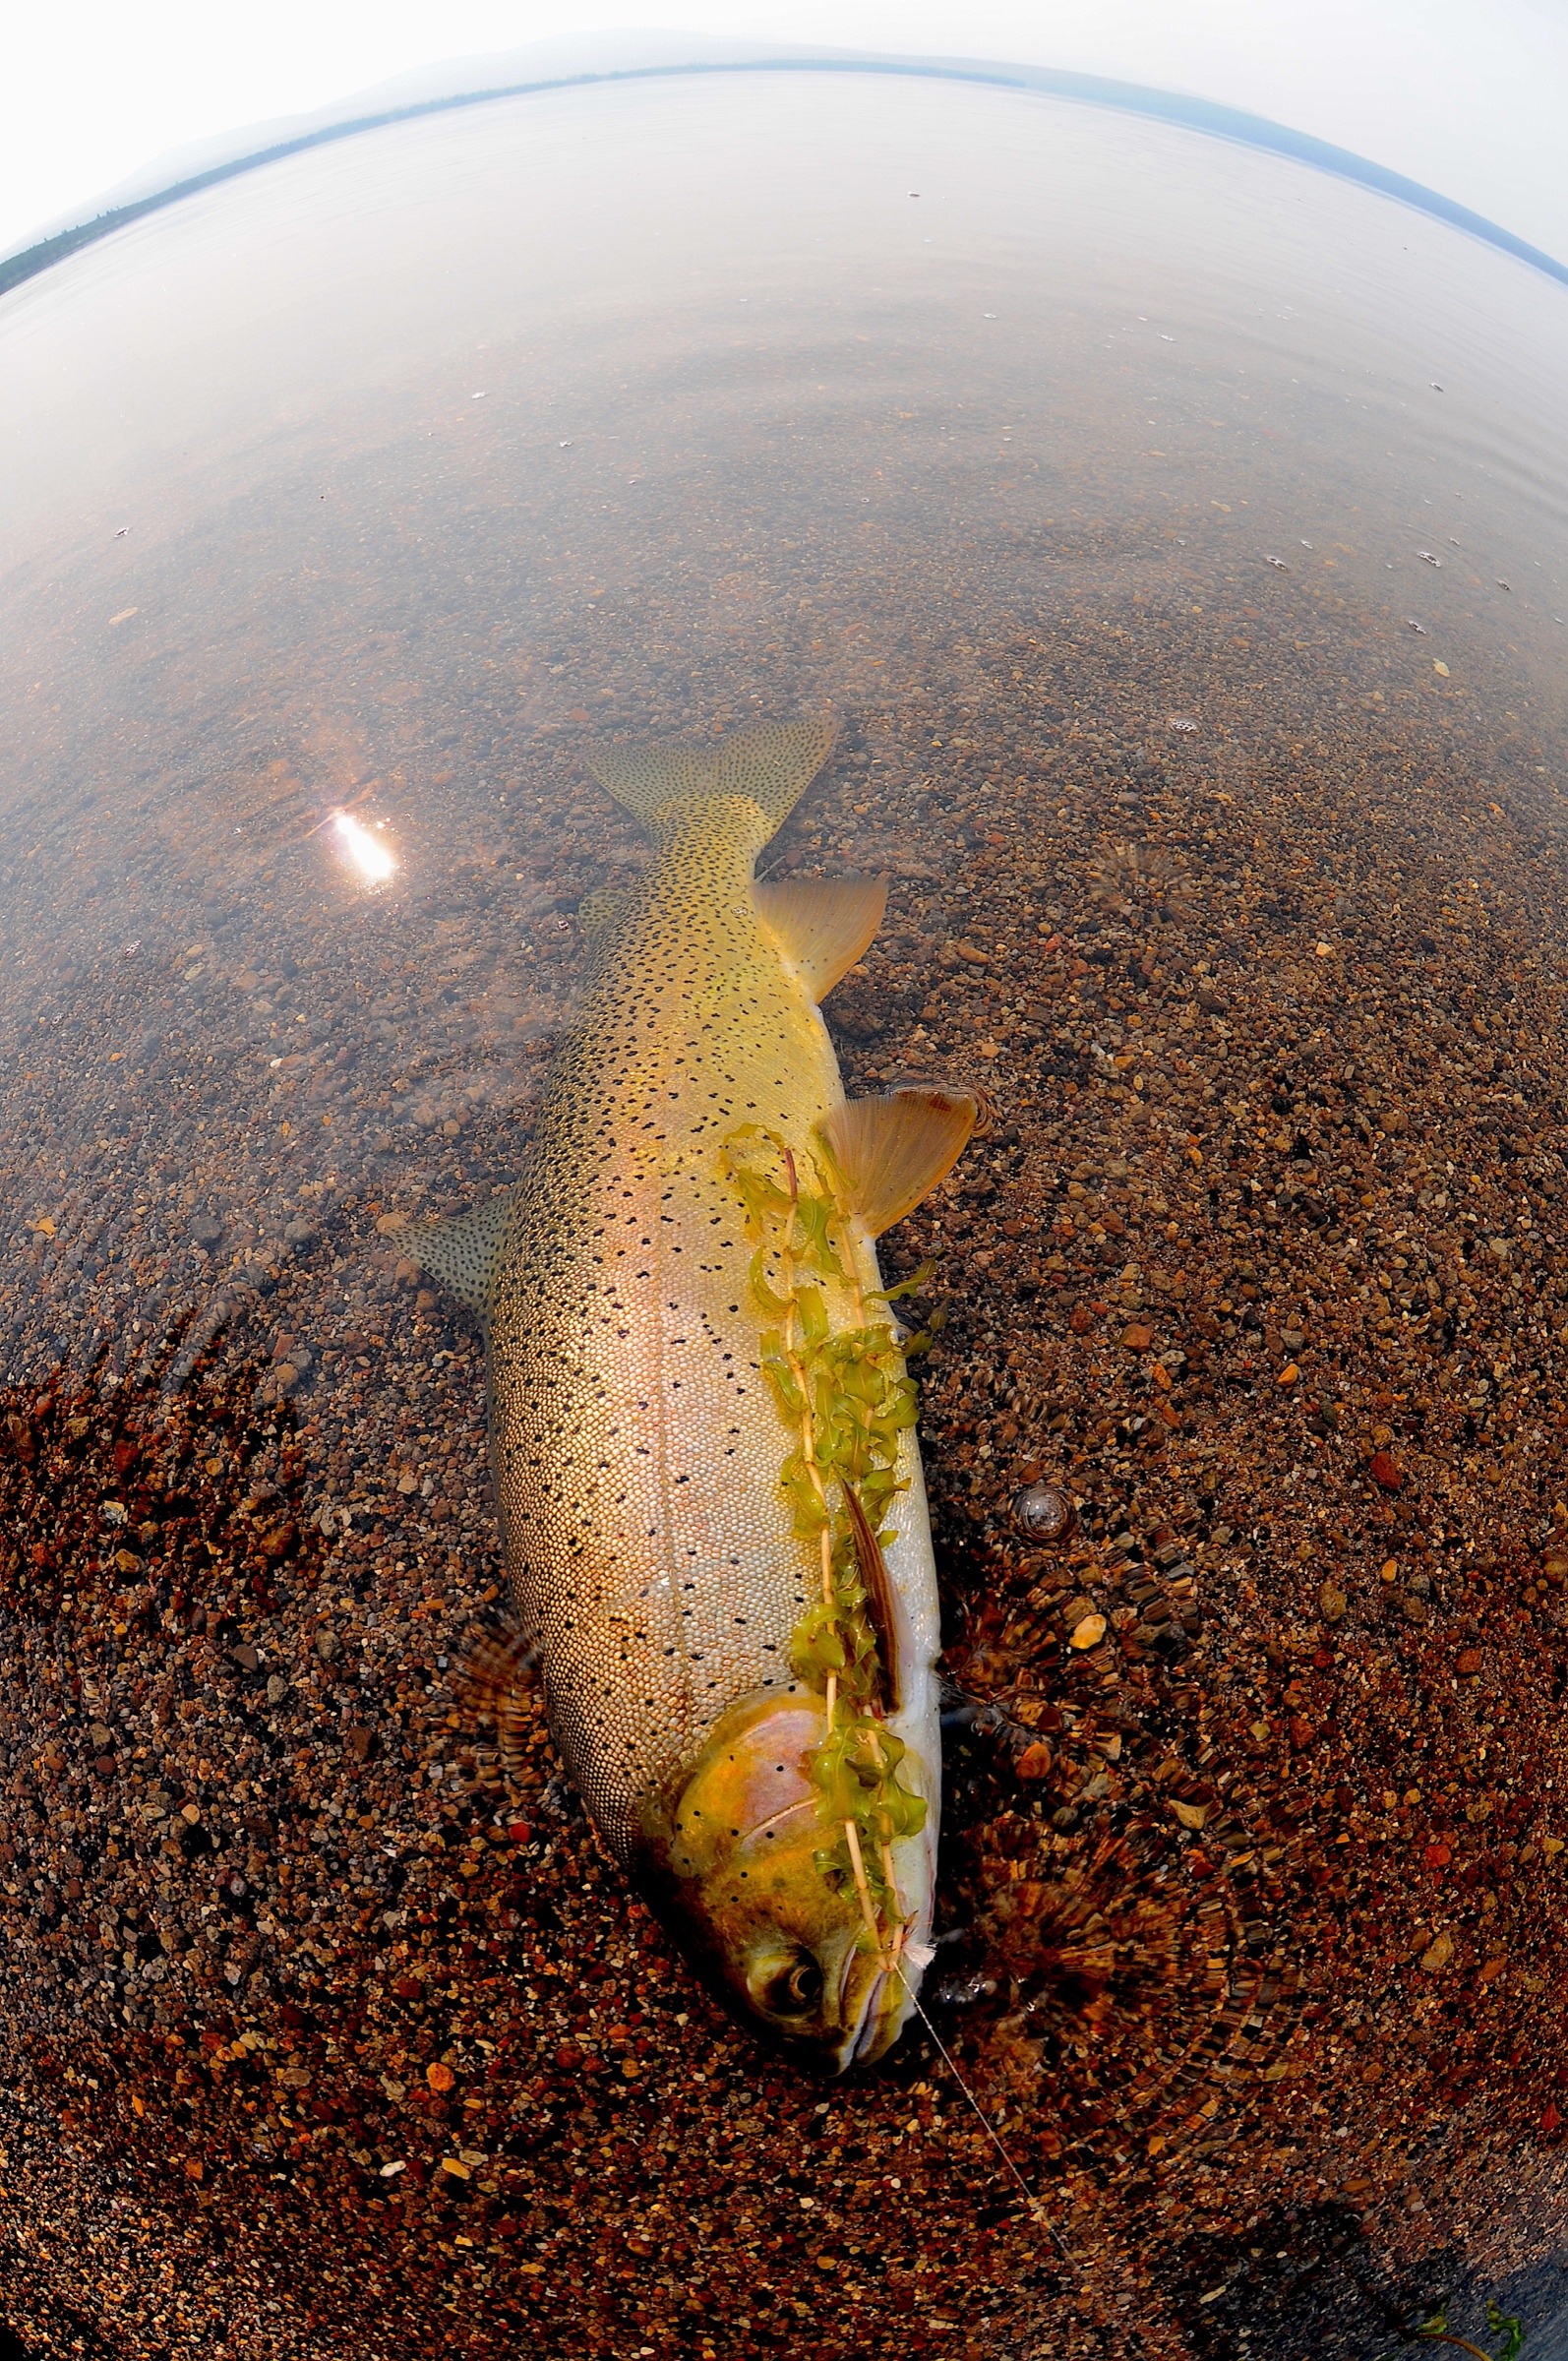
(1205, 115)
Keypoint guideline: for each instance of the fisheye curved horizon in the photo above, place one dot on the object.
(1178, 108)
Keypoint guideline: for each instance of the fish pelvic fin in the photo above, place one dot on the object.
(888, 1153)
(461, 1255)
(771, 764)
(494, 1683)
(822, 923)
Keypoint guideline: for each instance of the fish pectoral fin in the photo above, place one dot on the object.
(878, 1586)
(890, 1152)
(461, 1254)
(822, 923)
(494, 1683)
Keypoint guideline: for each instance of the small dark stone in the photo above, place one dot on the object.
(1044, 1512)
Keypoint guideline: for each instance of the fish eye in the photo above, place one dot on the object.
(795, 1989)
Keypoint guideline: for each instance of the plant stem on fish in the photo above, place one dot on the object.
(701, 1423)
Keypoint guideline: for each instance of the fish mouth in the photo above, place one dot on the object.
(880, 2022)
(866, 2042)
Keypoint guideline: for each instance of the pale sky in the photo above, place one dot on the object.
(1467, 96)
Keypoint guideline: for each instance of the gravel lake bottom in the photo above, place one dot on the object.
(1225, 827)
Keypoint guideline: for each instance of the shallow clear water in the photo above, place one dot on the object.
(1181, 538)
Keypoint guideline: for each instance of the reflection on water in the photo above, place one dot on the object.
(1182, 540)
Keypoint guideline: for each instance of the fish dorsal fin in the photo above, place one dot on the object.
(461, 1254)
(773, 763)
(824, 924)
(494, 1683)
(890, 1152)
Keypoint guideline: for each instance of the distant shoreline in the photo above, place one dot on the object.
(1126, 97)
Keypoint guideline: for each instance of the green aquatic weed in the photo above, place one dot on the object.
(1434, 2329)
(845, 1397)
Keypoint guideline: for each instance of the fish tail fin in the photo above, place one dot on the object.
(772, 764)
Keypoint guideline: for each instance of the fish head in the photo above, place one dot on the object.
(743, 1885)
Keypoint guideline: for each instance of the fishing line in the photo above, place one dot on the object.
(1035, 2204)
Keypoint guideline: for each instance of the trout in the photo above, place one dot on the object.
(701, 1423)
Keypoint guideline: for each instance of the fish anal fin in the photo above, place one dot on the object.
(890, 1152)
(822, 923)
(461, 1254)
(772, 764)
(495, 1684)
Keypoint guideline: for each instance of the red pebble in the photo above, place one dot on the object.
(1385, 1471)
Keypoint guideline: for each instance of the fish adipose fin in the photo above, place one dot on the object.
(822, 923)
(599, 914)
(494, 1684)
(890, 1152)
(461, 1254)
(773, 763)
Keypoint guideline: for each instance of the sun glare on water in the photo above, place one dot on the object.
(363, 851)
